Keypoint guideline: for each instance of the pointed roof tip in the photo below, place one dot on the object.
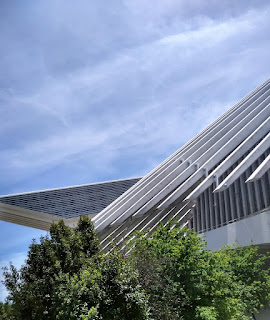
(68, 187)
(70, 202)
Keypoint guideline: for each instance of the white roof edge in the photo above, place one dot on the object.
(245, 163)
(35, 219)
(261, 170)
(36, 215)
(26, 217)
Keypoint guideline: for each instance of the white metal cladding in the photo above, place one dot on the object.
(193, 172)
(239, 200)
(260, 171)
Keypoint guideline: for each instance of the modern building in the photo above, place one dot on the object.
(218, 183)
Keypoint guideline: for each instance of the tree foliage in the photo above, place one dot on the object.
(66, 277)
(105, 289)
(185, 281)
(6, 311)
(170, 275)
(31, 289)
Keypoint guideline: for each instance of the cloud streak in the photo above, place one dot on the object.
(98, 91)
(139, 100)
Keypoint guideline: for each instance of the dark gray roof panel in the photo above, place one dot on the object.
(72, 202)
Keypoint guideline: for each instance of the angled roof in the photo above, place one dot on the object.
(71, 202)
(213, 160)
(241, 136)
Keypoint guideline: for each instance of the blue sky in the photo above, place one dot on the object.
(94, 91)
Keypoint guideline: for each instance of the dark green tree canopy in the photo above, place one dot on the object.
(5, 311)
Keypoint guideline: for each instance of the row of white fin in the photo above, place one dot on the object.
(181, 178)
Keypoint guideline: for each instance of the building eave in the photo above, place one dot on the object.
(25, 217)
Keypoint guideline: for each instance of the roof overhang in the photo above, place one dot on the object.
(25, 217)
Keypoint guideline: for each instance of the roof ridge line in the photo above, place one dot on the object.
(68, 187)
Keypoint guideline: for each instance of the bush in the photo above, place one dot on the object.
(185, 281)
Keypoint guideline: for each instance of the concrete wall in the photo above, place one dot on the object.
(263, 315)
(253, 229)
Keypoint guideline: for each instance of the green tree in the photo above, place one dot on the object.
(66, 277)
(186, 281)
(169, 275)
(6, 311)
(106, 289)
(31, 289)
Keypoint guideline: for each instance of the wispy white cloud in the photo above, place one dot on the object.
(152, 91)
(154, 62)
